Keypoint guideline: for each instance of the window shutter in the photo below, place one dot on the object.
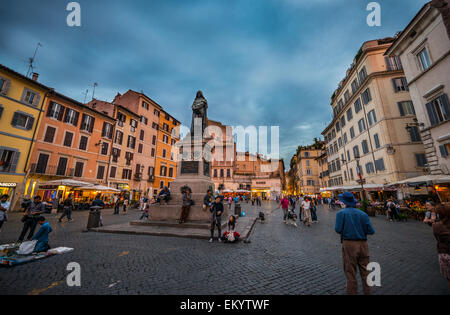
(395, 86)
(15, 161)
(91, 127)
(15, 118)
(49, 110)
(75, 121)
(445, 105)
(405, 84)
(61, 113)
(30, 123)
(104, 129)
(388, 63)
(400, 108)
(36, 99)
(6, 87)
(432, 114)
(1, 110)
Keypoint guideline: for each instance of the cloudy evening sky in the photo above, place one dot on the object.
(258, 62)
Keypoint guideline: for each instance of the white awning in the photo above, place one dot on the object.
(65, 182)
(431, 179)
(99, 188)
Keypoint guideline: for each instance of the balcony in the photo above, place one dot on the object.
(51, 170)
(137, 176)
(151, 178)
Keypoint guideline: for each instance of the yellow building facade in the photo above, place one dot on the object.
(166, 152)
(22, 102)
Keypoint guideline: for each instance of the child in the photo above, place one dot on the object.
(42, 235)
(146, 211)
(231, 235)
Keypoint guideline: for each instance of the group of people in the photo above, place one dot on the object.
(307, 213)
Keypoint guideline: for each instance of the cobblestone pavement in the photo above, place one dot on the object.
(280, 259)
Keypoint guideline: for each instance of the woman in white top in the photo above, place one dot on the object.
(306, 206)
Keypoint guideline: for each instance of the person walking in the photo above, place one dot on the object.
(216, 219)
(314, 204)
(186, 206)
(284, 204)
(354, 225)
(29, 219)
(68, 207)
(4, 207)
(117, 201)
(441, 231)
(306, 209)
(125, 205)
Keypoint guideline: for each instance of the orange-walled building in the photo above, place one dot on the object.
(73, 141)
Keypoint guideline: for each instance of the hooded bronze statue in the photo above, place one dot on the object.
(199, 108)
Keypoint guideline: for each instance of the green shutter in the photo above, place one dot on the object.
(15, 161)
(30, 123)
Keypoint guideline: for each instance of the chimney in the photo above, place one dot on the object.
(35, 76)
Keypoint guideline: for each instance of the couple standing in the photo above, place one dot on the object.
(216, 209)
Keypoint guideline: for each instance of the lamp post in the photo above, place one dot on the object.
(357, 157)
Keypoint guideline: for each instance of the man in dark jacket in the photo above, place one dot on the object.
(216, 218)
(68, 207)
(208, 200)
(30, 218)
(354, 225)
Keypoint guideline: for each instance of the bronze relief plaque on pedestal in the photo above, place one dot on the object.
(189, 167)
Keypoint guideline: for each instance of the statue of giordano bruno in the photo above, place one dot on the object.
(199, 108)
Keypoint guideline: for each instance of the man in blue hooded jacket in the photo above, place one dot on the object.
(42, 235)
(354, 225)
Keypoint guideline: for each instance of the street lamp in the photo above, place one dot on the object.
(357, 157)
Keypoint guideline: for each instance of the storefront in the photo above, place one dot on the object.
(7, 189)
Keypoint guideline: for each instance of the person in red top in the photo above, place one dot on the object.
(284, 204)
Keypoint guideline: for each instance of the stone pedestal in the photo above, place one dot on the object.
(194, 172)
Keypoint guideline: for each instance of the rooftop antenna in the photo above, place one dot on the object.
(85, 95)
(31, 61)
(93, 92)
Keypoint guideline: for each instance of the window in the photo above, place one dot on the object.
(145, 105)
(352, 132)
(171, 172)
(129, 157)
(151, 171)
(424, 59)
(414, 134)
(379, 165)
(155, 126)
(355, 86)
(62, 165)
(68, 139)
(101, 172)
(351, 174)
(121, 118)
(50, 134)
(421, 160)
(400, 84)
(228, 173)
(115, 154)
(144, 120)
(126, 174)
(112, 172)
(215, 172)
(370, 168)
(104, 150)
(342, 121)
(163, 170)
(377, 141)
(346, 96)
(345, 138)
(371, 117)
(71, 116)
(154, 140)
(152, 152)
(79, 169)
(133, 125)
(164, 153)
(444, 150)
(119, 137)
(41, 166)
(366, 96)
(156, 112)
(140, 148)
(55, 111)
(83, 143)
(22, 120)
(339, 142)
(438, 110)
(349, 114)
(357, 105)
(9, 159)
(307, 154)
(87, 123)
(30, 97)
(406, 108)
(393, 63)
(362, 75)
(131, 142)
(365, 147)
(356, 151)
(310, 182)
(107, 131)
(221, 173)
(338, 127)
(361, 125)
(307, 163)
(142, 135)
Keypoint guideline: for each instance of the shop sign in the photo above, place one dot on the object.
(8, 184)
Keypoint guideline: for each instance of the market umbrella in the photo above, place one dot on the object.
(99, 188)
(65, 182)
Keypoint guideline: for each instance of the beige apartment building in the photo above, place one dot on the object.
(322, 161)
(424, 49)
(308, 169)
(367, 135)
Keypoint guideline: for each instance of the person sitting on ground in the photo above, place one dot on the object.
(42, 235)
(231, 235)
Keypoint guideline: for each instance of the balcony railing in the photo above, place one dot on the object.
(51, 170)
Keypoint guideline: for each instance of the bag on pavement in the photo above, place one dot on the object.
(26, 248)
(230, 237)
